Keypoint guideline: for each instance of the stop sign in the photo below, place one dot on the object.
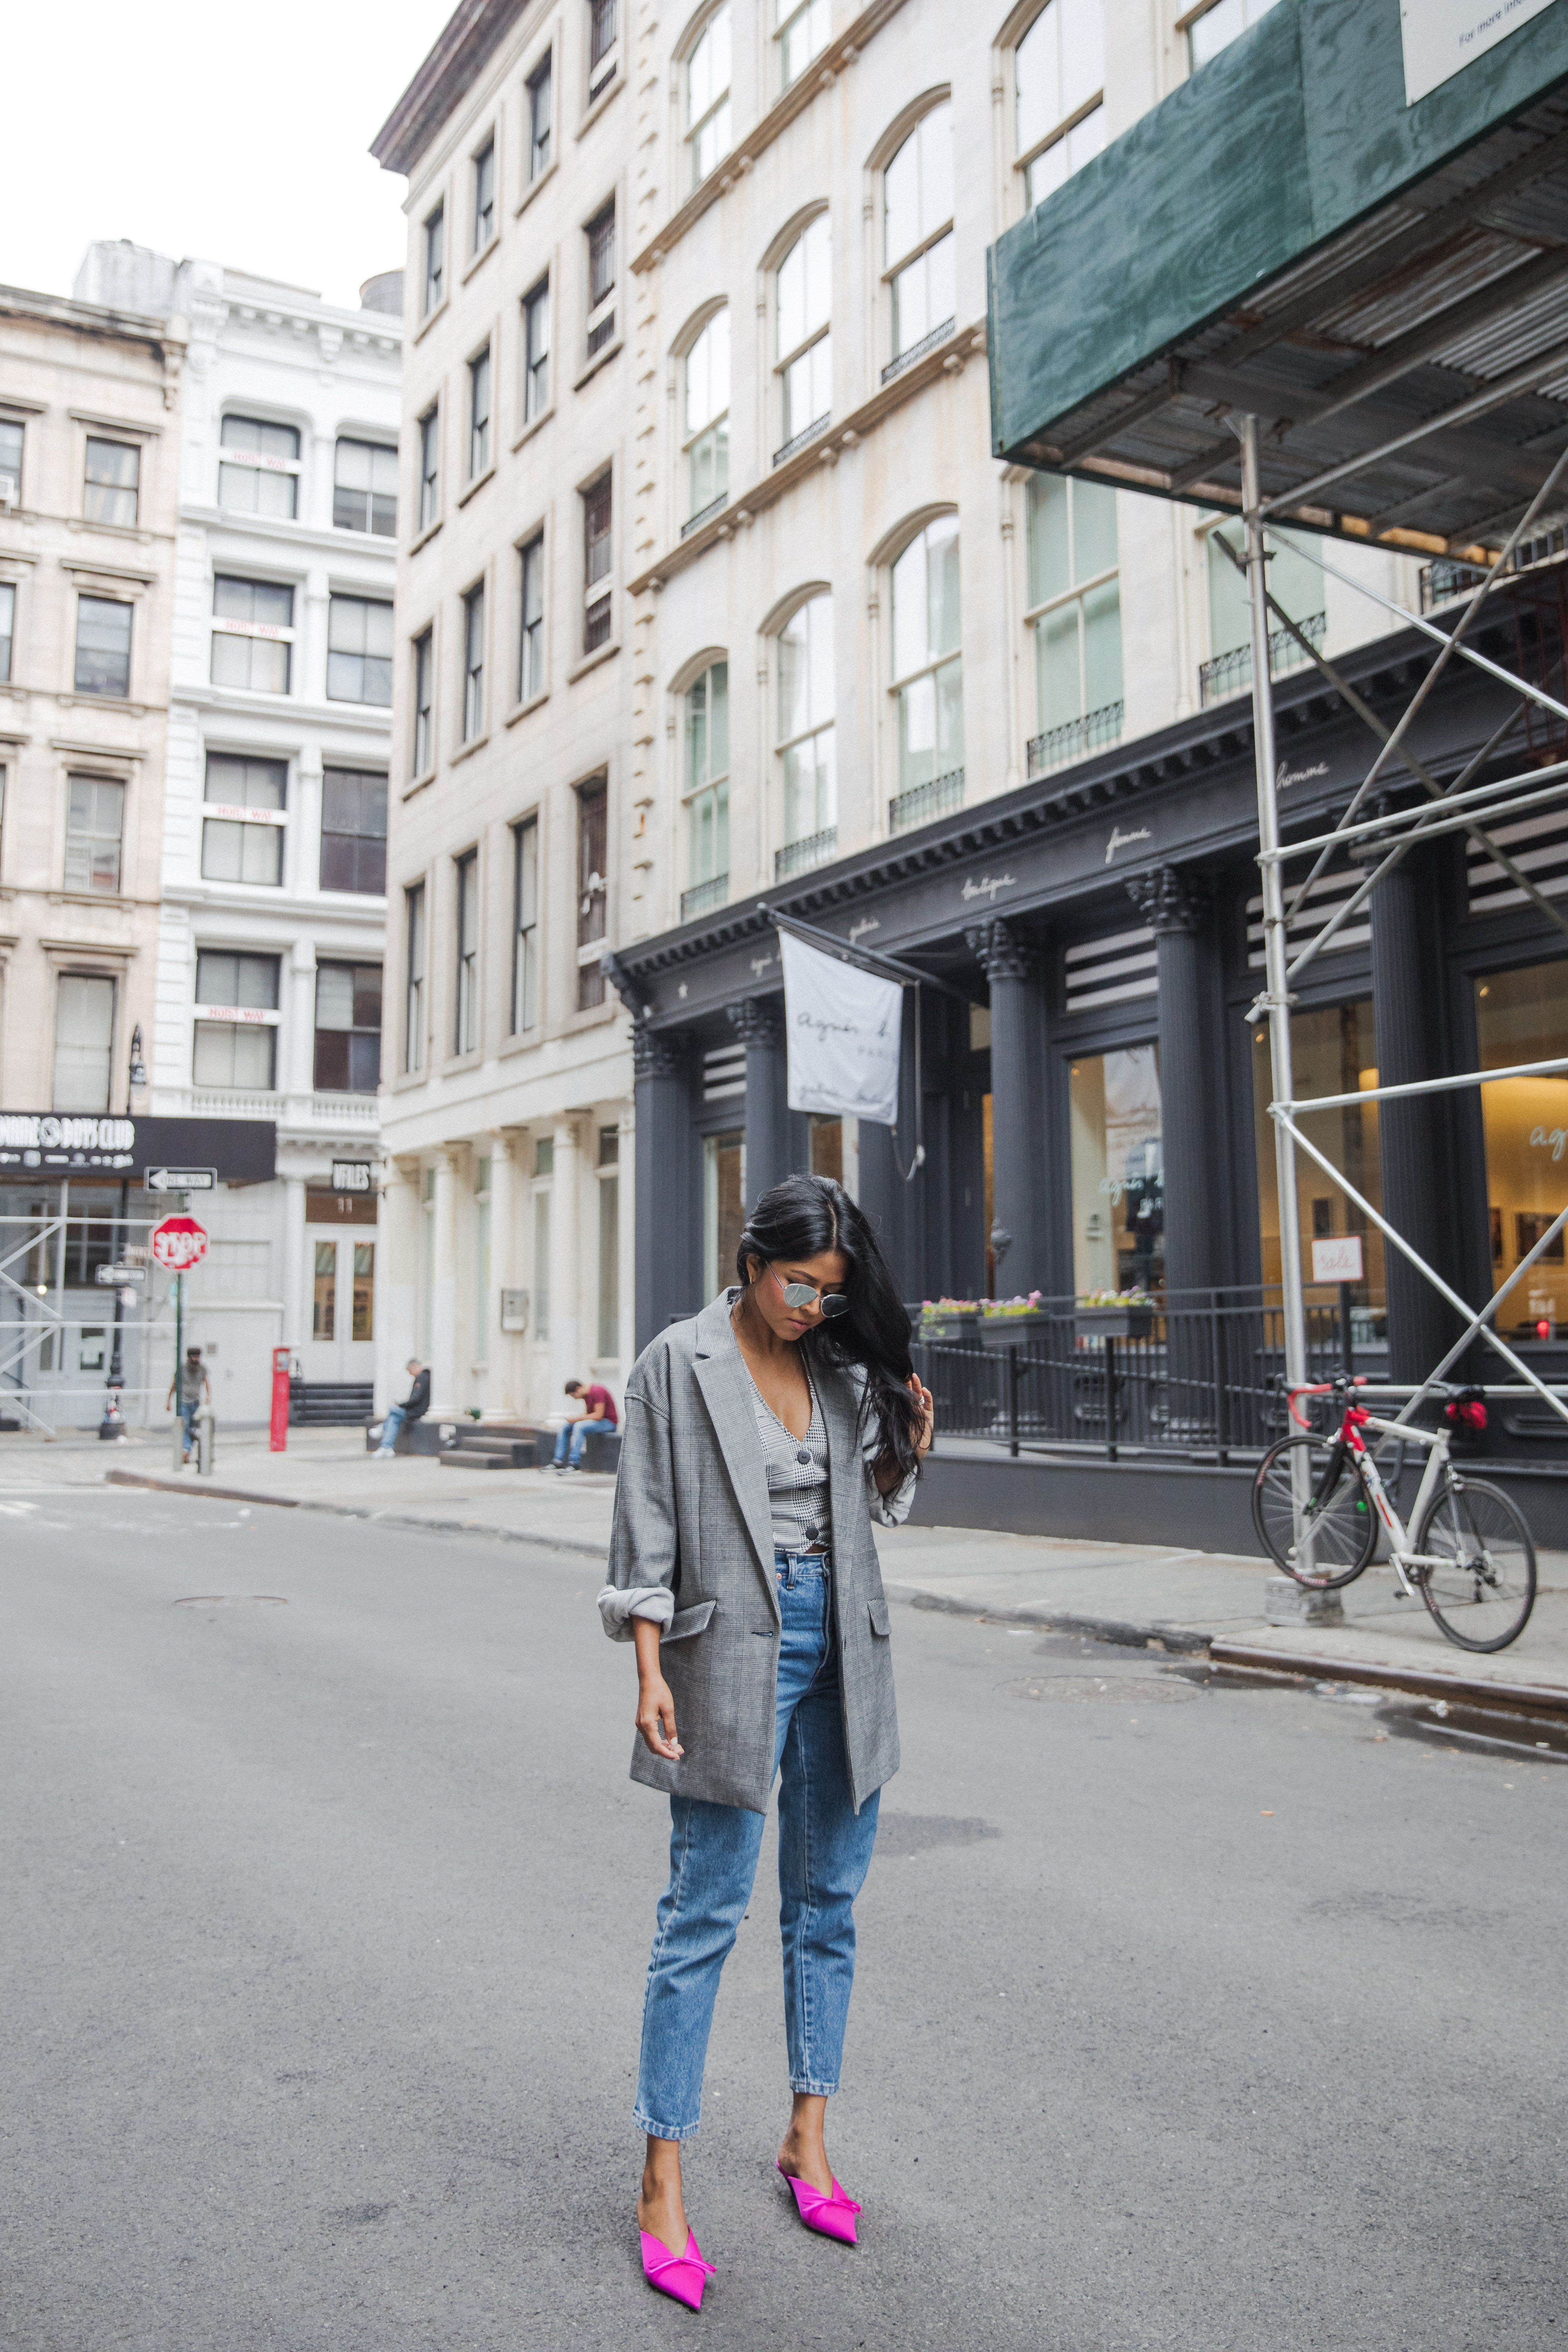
(178, 1244)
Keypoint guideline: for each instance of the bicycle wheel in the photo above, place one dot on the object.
(1342, 1524)
(1479, 1577)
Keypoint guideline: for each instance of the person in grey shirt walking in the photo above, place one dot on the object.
(761, 1439)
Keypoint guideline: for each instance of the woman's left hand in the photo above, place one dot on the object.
(927, 1403)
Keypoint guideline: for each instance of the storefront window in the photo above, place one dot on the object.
(364, 1290)
(723, 1209)
(1333, 1052)
(324, 1311)
(1117, 1172)
(1522, 1016)
(827, 1149)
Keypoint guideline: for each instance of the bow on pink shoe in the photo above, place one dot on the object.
(684, 2276)
(834, 2216)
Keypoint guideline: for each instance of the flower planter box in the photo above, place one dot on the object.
(1000, 1332)
(949, 1330)
(1098, 1324)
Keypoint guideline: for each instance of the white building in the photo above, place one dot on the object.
(272, 925)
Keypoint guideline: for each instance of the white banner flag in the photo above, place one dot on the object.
(844, 1028)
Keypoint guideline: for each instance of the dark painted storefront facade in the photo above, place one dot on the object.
(1102, 925)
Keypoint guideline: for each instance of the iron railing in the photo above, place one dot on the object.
(799, 857)
(804, 439)
(1231, 673)
(705, 514)
(922, 801)
(1059, 746)
(703, 896)
(1447, 577)
(1198, 1379)
(937, 336)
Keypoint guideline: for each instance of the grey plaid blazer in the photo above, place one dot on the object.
(691, 1515)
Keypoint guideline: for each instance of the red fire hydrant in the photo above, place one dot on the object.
(281, 1360)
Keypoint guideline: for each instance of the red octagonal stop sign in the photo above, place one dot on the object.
(179, 1242)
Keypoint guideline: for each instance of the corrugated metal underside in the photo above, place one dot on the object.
(1452, 298)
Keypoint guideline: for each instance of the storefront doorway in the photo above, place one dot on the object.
(339, 1237)
(1117, 1172)
(1522, 1016)
(1333, 1052)
(723, 1208)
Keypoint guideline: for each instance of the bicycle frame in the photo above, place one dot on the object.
(1358, 1419)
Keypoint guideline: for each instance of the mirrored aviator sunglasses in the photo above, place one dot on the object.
(801, 1294)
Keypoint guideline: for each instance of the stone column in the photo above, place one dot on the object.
(1173, 905)
(1414, 1138)
(567, 1361)
(625, 1244)
(758, 1022)
(296, 1320)
(447, 1383)
(667, 1214)
(396, 1281)
(295, 1077)
(500, 1347)
(302, 834)
(1019, 1233)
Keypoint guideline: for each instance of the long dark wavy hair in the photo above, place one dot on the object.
(799, 1219)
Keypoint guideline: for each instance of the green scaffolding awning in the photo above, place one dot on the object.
(1385, 287)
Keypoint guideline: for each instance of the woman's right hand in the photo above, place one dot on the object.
(655, 1718)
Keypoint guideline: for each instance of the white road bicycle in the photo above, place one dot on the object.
(1472, 1560)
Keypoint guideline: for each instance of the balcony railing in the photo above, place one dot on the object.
(345, 1110)
(1447, 578)
(705, 514)
(917, 351)
(1059, 747)
(922, 801)
(1231, 673)
(799, 857)
(814, 432)
(703, 896)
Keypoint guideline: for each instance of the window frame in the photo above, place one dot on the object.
(255, 632)
(535, 303)
(604, 54)
(360, 777)
(9, 424)
(212, 1014)
(592, 799)
(1075, 593)
(339, 601)
(375, 448)
(598, 589)
(532, 677)
(356, 966)
(715, 427)
(237, 460)
(414, 1026)
(900, 683)
(111, 980)
(430, 467)
(719, 104)
(434, 256)
(473, 712)
(485, 222)
(893, 269)
(538, 151)
(481, 412)
(116, 489)
(8, 637)
(795, 435)
(1060, 133)
(260, 817)
(788, 13)
(422, 749)
(86, 887)
(784, 744)
(526, 970)
(466, 943)
(599, 328)
(713, 786)
(111, 693)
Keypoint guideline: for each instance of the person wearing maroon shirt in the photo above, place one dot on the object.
(598, 1405)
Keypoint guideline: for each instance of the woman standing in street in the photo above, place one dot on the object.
(762, 1438)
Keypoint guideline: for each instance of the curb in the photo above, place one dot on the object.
(1514, 1698)
(405, 1520)
(1177, 1639)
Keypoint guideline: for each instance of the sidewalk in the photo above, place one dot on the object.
(1213, 1602)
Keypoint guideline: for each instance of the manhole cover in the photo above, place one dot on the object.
(232, 1600)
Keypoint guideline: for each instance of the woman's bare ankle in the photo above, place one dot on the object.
(661, 2210)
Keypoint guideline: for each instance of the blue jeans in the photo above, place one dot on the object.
(575, 1433)
(187, 1421)
(824, 1852)
(389, 1429)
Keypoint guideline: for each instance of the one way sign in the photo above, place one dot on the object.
(181, 1180)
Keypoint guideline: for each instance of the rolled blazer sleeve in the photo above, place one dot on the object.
(644, 1542)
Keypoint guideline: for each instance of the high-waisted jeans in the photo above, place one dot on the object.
(825, 1851)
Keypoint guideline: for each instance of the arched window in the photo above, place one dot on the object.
(917, 235)
(706, 436)
(803, 28)
(705, 780)
(1075, 611)
(708, 96)
(1059, 73)
(804, 737)
(928, 675)
(803, 303)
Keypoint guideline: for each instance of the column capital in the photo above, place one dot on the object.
(657, 1052)
(1000, 949)
(1169, 899)
(757, 1020)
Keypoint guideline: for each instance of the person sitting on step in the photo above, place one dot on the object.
(598, 1409)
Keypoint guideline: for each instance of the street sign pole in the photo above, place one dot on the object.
(111, 1426)
(179, 1351)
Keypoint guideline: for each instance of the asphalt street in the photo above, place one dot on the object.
(1188, 2014)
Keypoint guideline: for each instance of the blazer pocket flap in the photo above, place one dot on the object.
(687, 1621)
(879, 1621)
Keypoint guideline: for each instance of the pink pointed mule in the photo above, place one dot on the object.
(833, 2216)
(684, 2276)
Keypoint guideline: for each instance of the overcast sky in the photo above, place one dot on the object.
(239, 134)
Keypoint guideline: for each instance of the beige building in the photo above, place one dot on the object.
(88, 500)
(506, 1069)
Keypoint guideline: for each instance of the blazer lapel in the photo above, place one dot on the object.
(726, 1391)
